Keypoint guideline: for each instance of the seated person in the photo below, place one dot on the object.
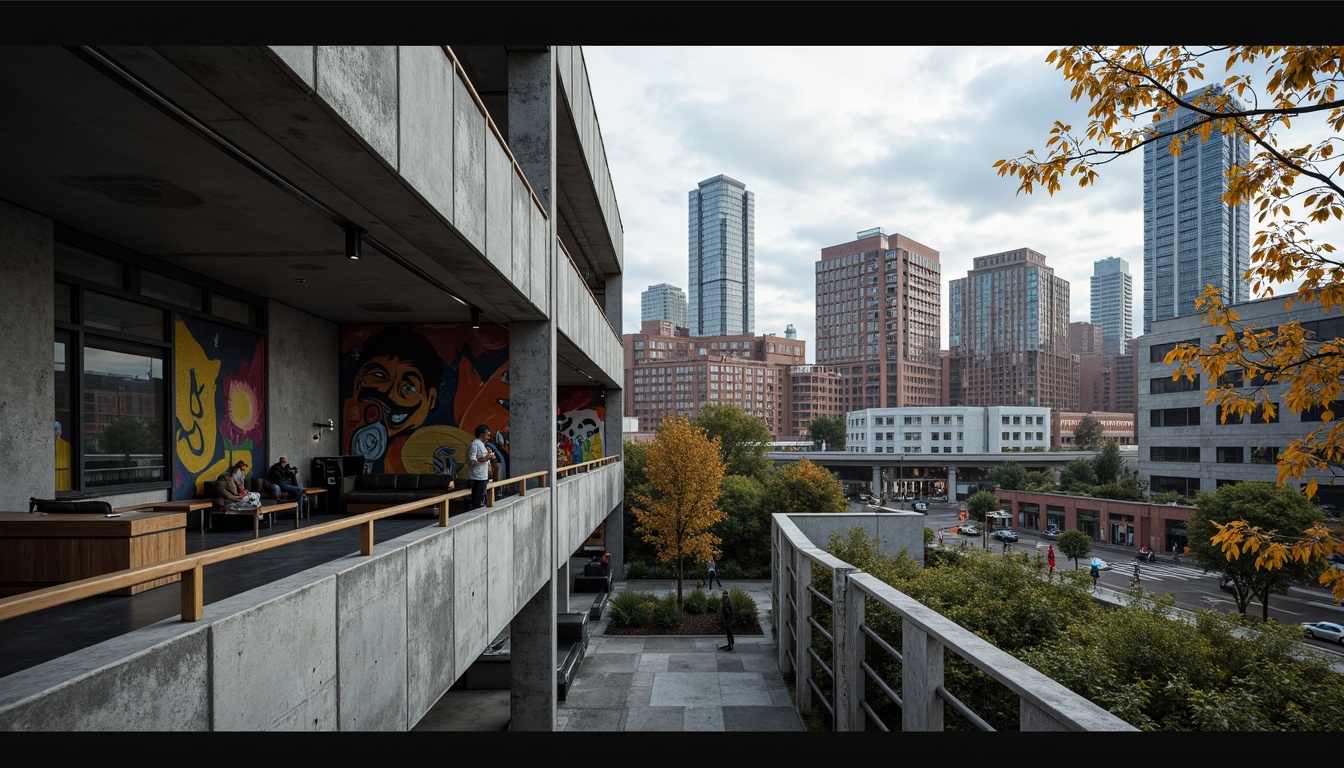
(232, 490)
(283, 477)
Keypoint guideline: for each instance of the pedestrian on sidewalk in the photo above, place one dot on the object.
(726, 610)
(940, 537)
(1051, 558)
(713, 574)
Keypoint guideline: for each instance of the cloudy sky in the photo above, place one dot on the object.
(835, 140)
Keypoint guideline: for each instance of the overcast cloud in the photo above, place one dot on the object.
(833, 141)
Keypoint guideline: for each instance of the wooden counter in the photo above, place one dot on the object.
(39, 550)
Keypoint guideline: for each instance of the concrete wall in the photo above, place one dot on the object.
(584, 500)
(361, 643)
(894, 530)
(27, 437)
(581, 320)
(302, 388)
(575, 91)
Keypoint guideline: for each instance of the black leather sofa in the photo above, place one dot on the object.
(378, 490)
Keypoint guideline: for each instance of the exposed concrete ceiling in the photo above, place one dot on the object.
(87, 151)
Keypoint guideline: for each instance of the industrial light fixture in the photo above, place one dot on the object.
(601, 391)
(475, 317)
(330, 425)
(352, 243)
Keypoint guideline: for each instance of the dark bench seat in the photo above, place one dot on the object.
(384, 489)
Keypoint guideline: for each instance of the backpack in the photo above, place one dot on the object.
(1095, 571)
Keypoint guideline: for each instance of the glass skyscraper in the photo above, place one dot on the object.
(722, 284)
(663, 302)
(1191, 238)
(1112, 291)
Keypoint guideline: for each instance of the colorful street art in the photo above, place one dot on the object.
(578, 429)
(220, 402)
(412, 394)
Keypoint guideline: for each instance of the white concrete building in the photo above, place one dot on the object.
(948, 429)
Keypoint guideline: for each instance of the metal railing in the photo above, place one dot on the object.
(191, 567)
(846, 652)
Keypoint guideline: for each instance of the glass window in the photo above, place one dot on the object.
(123, 405)
(172, 291)
(241, 311)
(89, 266)
(64, 304)
(110, 314)
(65, 416)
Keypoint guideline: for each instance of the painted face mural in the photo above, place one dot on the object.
(401, 381)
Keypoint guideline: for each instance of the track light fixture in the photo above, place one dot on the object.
(475, 317)
(352, 243)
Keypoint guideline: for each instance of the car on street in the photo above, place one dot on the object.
(1051, 533)
(1004, 534)
(1324, 630)
(921, 506)
(966, 529)
(937, 498)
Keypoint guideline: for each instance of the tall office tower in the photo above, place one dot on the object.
(879, 307)
(663, 302)
(1113, 303)
(722, 281)
(1191, 238)
(1008, 328)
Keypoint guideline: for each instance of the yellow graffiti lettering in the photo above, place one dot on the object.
(197, 427)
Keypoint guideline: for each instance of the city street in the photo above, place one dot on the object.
(1191, 587)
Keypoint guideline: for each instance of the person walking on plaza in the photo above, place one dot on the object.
(283, 477)
(1051, 558)
(1096, 574)
(479, 457)
(713, 575)
(726, 610)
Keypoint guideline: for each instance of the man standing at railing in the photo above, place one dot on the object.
(479, 457)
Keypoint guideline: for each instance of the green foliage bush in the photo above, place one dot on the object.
(745, 612)
(697, 602)
(666, 612)
(631, 609)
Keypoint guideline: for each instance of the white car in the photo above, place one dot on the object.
(1324, 630)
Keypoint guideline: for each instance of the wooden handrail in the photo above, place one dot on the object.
(191, 567)
(571, 469)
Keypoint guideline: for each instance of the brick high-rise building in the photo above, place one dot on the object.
(879, 310)
(671, 373)
(811, 391)
(1008, 328)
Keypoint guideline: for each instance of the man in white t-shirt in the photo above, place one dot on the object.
(479, 457)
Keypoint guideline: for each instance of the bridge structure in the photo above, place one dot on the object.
(928, 474)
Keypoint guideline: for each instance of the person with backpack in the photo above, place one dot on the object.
(1096, 574)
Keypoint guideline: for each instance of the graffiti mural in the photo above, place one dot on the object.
(219, 414)
(411, 395)
(578, 428)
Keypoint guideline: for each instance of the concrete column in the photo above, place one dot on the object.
(849, 644)
(921, 675)
(532, 700)
(803, 641)
(951, 483)
(27, 433)
(532, 387)
(877, 480)
(613, 443)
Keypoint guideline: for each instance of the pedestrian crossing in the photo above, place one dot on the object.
(1160, 571)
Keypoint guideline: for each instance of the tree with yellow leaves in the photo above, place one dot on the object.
(684, 469)
(1129, 88)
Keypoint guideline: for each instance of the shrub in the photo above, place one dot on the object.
(647, 570)
(666, 612)
(631, 609)
(745, 612)
(697, 602)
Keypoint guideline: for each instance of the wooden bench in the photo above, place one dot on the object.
(264, 509)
